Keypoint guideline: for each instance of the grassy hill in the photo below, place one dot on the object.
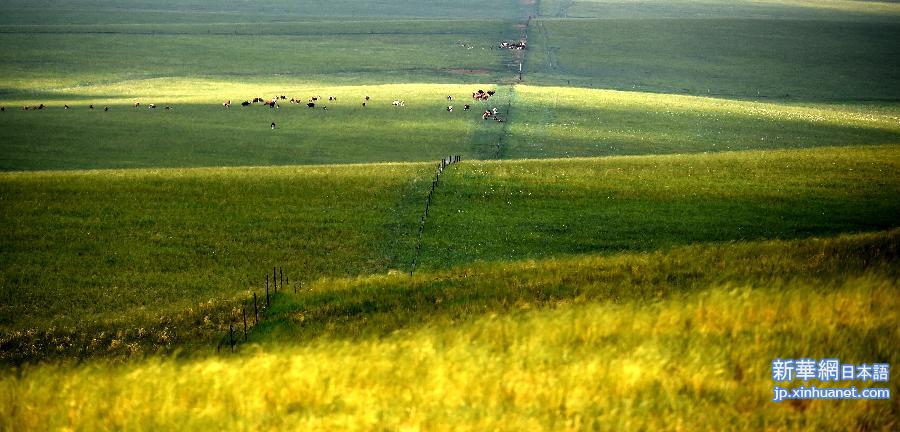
(680, 192)
(678, 339)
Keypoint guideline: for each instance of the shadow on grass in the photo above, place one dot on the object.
(379, 306)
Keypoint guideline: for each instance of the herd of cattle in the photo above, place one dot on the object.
(311, 102)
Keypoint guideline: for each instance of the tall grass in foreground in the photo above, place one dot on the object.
(693, 360)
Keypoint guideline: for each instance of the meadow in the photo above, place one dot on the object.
(514, 346)
(681, 191)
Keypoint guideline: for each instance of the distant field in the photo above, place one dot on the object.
(43, 61)
(571, 122)
(681, 339)
(734, 58)
(200, 132)
(514, 210)
(761, 9)
(231, 11)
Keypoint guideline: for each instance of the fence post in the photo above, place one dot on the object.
(244, 315)
(255, 310)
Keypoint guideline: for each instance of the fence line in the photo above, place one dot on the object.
(443, 164)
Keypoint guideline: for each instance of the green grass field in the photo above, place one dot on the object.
(681, 191)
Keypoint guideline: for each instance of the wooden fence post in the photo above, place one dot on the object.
(255, 310)
(231, 334)
(244, 315)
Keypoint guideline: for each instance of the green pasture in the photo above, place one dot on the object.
(760, 9)
(552, 122)
(515, 210)
(46, 60)
(198, 131)
(92, 12)
(732, 58)
(682, 339)
(131, 246)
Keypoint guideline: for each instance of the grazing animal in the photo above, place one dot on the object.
(150, 106)
(486, 114)
(331, 98)
(310, 105)
(313, 99)
(26, 108)
(364, 104)
(137, 104)
(227, 104)
(91, 106)
(105, 109)
(466, 107)
(65, 107)
(257, 99)
(490, 92)
(41, 106)
(283, 97)
(494, 111)
(273, 125)
(450, 108)
(2, 109)
(168, 108)
(398, 103)
(367, 98)
(245, 103)
(325, 108)
(449, 97)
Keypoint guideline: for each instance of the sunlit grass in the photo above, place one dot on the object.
(692, 359)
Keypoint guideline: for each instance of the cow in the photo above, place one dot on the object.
(227, 104)
(137, 104)
(168, 108)
(273, 125)
(2, 109)
(26, 108)
(283, 97)
(105, 109)
(364, 104)
(398, 103)
(313, 99)
(245, 103)
(258, 99)
(449, 97)
(311, 105)
(324, 108)
(91, 106)
(450, 108)
(65, 107)
(41, 106)
(494, 111)
(466, 107)
(367, 98)
(332, 98)
(486, 114)
(491, 92)
(149, 106)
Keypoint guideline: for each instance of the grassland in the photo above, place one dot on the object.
(733, 58)
(691, 353)
(127, 239)
(639, 253)
(567, 122)
(200, 132)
